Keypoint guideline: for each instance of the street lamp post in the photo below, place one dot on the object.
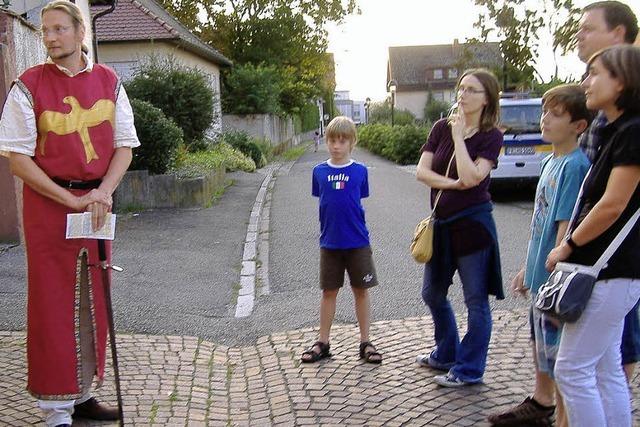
(391, 87)
(367, 104)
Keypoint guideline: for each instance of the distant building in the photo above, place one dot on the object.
(348, 107)
(433, 70)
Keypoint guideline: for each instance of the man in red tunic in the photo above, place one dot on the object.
(67, 129)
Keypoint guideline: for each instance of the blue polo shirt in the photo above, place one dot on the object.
(340, 188)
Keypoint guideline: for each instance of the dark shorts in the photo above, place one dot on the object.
(357, 262)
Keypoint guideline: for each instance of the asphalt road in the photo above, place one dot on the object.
(183, 266)
(396, 203)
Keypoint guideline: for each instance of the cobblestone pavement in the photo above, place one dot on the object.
(173, 380)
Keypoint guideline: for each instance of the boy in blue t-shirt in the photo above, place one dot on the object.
(564, 118)
(340, 183)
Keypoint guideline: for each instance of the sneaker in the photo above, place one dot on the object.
(450, 380)
(527, 412)
(427, 361)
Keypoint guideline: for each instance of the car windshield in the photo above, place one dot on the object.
(520, 118)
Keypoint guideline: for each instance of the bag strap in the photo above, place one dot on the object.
(446, 174)
(615, 243)
(622, 234)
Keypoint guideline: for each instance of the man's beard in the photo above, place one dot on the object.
(63, 55)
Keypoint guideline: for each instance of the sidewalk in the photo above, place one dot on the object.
(172, 380)
(187, 380)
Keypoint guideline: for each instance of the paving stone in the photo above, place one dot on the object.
(178, 380)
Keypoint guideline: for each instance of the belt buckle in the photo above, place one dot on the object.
(72, 182)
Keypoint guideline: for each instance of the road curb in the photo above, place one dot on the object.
(247, 292)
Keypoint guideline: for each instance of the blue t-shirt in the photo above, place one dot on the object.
(340, 188)
(556, 195)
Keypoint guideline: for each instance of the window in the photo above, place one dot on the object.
(453, 73)
(437, 74)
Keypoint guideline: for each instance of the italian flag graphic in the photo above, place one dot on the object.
(338, 185)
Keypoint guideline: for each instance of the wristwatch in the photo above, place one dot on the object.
(570, 242)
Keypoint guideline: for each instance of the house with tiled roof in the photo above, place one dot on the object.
(421, 72)
(139, 29)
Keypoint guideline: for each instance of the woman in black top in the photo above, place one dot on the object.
(588, 368)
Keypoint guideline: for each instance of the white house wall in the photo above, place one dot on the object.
(412, 101)
(124, 57)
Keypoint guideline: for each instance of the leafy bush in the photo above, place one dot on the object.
(159, 138)
(182, 93)
(246, 144)
(380, 112)
(193, 165)
(266, 147)
(251, 89)
(434, 110)
(400, 144)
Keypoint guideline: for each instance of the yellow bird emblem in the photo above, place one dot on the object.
(77, 120)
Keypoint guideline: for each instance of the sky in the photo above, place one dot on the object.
(360, 45)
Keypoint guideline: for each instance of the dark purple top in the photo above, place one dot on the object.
(483, 144)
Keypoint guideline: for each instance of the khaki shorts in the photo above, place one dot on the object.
(357, 262)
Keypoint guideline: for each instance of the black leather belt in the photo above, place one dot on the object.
(78, 185)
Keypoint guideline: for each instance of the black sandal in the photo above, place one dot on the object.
(315, 356)
(371, 356)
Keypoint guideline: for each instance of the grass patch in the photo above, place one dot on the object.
(154, 412)
(201, 163)
(131, 208)
(294, 153)
(230, 367)
(235, 291)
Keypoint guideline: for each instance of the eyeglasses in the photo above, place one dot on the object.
(471, 90)
(58, 30)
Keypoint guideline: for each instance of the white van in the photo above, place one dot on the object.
(523, 148)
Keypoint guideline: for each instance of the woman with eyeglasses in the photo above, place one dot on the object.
(456, 161)
(588, 368)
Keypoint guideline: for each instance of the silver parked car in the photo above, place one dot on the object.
(523, 148)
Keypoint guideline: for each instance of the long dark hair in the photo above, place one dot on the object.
(490, 115)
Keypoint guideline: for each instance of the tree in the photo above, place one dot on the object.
(520, 29)
(254, 89)
(183, 94)
(288, 35)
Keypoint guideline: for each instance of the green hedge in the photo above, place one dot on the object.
(400, 144)
(248, 145)
(182, 93)
(159, 138)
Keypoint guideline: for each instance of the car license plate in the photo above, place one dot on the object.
(519, 150)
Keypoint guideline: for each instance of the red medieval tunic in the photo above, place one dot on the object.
(75, 118)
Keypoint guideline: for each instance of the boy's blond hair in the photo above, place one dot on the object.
(342, 126)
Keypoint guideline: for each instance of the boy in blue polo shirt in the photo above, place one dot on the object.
(341, 183)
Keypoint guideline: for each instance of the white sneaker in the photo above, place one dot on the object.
(449, 380)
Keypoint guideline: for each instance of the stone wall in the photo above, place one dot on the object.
(277, 130)
(138, 190)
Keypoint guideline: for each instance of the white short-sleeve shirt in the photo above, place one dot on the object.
(18, 128)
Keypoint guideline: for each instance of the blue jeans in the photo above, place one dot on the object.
(630, 346)
(469, 356)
